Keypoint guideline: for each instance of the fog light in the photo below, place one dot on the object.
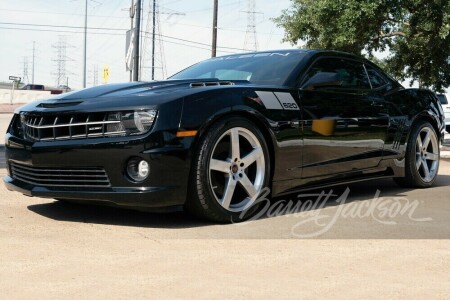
(138, 169)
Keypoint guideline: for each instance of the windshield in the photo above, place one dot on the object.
(261, 68)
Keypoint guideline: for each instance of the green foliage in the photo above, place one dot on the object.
(416, 33)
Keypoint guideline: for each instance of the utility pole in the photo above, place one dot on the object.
(214, 33)
(132, 12)
(85, 43)
(32, 74)
(137, 30)
(153, 39)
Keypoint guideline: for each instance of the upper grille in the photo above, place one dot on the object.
(48, 128)
(70, 177)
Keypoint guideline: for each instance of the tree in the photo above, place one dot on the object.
(415, 33)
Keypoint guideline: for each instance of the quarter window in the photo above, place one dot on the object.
(375, 78)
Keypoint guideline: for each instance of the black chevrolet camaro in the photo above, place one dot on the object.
(215, 135)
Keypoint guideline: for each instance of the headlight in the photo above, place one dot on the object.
(130, 123)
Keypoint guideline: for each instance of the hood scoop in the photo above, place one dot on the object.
(210, 83)
(57, 104)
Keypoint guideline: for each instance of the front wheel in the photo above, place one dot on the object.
(421, 157)
(229, 172)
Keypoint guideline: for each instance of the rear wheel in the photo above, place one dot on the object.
(230, 170)
(421, 157)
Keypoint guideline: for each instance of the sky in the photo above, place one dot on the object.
(185, 28)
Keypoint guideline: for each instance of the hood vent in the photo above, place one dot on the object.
(57, 104)
(217, 83)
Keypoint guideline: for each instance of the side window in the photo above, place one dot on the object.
(352, 74)
(376, 80)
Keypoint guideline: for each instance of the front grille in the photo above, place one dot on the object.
(61, 127)
(64, 177)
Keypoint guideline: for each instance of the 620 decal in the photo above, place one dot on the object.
(290, 106)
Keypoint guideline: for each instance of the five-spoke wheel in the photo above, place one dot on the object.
(427, 154)
(421, 157)
(237, 162)
(230, 171)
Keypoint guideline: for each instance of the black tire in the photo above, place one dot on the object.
(415, 176)
(447, 128)
(205, 182)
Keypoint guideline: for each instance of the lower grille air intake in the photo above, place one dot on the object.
(69, 177)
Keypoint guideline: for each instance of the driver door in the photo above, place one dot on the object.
(344, 127)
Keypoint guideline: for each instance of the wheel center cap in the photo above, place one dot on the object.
(234, 169)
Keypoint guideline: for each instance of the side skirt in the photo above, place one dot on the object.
(387, 168)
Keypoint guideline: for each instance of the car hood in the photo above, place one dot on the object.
(133, 95)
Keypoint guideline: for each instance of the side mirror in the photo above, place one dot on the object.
(323, 79)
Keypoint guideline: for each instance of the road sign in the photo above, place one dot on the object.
(15, 78)
(105, 73)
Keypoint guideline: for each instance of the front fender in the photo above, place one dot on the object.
(280, 127)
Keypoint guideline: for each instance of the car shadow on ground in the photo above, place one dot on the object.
(367, 190)
(99, 214)
(74, 212)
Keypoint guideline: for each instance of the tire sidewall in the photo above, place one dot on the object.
(411, 156)
(206, 150)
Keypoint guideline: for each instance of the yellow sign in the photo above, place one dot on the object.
(105, 73)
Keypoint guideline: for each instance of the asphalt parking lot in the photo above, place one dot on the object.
(378, 241)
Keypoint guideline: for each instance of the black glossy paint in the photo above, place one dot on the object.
(336, 135)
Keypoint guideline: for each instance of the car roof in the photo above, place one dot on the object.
(309, 51)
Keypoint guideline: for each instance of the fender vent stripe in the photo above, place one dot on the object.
(287, 101)
(269, 100)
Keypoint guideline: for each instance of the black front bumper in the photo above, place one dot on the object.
(166, 185)
(122, 196)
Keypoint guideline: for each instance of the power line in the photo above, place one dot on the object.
(118, 17)
(118, 34)
(100, 28)
(112, 34)
(62, 31)
(61, 13)
(63, 26)
(211, 8)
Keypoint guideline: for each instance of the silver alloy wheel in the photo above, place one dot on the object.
(243, 152)
(427, 154)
